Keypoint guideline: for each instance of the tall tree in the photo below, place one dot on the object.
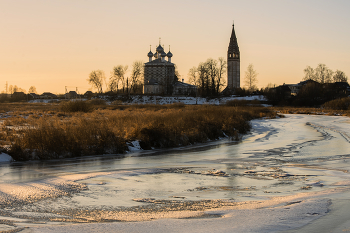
(323, 74)
(208, 76)
(118, 77)
(309, 74)
(136, 75)
(221, 72)
(339, 76)
(250, 79)
(212, 70)
(32, 89)
(96, 79)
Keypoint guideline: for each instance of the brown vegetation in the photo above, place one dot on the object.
(311, 111)
(58, 132)
(338, 104)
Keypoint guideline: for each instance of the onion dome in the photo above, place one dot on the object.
(169, 54)
(163, 54)
(160, 49)
(150, 54)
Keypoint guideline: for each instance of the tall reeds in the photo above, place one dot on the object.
(108, 131)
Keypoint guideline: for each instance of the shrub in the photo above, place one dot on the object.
(338, 104)
(97, 102)
(75, 106)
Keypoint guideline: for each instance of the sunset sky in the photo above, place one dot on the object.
(51, 44)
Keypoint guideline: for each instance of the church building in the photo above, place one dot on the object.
(159, 74)
(160, 78)
(233, 63)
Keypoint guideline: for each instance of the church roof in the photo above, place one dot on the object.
(159, 61)
(233, 46)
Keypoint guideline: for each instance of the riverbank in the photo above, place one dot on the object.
(28, 135)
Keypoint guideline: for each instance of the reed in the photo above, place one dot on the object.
(107, 131)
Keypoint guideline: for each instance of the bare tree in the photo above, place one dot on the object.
(339, 76)
(221, 71)
(212, 71)
(208, 76)
(323, 74)
(15, 88)
(96, 79)
(250, 78)
(136, 75)
(117, 77)
(192, 76)
(309, 74)
(32, 89)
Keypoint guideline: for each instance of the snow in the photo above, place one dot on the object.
(266, 215)
(5, 158)
(134, 146)
(189, 100)
(251, 219)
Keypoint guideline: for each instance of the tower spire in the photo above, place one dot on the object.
(233, 45)
(233, 62)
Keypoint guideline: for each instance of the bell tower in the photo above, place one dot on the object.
(233, 62)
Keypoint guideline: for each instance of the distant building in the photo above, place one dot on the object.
(233, 64)
(48, 95)
(88, 94)
(159, 75)
(181, 88)
(71, 95)
(295, 88)
(19, 96)
(34, 96)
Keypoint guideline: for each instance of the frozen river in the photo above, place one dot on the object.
(286, 173)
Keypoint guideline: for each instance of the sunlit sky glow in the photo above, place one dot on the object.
(57, 43)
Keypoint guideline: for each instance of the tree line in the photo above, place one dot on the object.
(12, 89)
(118, 80)
(323, 74)
(208, 76)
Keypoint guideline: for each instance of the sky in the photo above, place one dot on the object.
(56, 44)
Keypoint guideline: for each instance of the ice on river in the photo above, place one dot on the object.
(286, 173)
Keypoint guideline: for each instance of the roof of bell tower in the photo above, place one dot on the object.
(233, 46)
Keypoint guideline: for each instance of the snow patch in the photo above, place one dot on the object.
(5, 158)
(134, 146)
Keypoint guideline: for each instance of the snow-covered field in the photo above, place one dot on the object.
(189, 100)
(171, 100)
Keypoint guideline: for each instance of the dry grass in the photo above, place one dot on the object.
(52, 133)
(311, 111)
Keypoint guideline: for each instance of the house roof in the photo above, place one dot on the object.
(182, 84)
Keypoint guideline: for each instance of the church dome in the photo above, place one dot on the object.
(160, 49)
(163, 54)
(169, 54)
(150, 54)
